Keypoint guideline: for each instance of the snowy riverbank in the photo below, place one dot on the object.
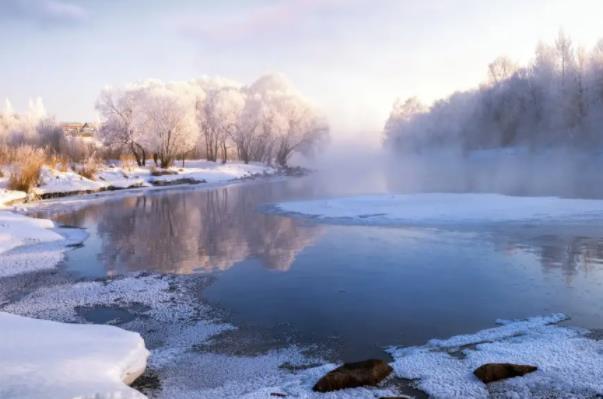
(55, 183)
(29, 244)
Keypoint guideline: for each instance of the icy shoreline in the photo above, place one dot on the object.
(443, 208)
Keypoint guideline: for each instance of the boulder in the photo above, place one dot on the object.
(350, 375)
(491, 372)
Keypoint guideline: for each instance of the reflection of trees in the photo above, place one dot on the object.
(209, 230)
(572, 251)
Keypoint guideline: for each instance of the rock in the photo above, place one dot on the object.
(491, 372)
(162, 172)
(175, 182)
(350, 375)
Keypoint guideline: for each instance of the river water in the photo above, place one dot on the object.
(354, 289)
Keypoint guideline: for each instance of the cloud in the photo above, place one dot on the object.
(43, 13)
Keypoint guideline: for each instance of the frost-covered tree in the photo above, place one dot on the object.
(222, 110)
(286, 121)
(33, 127)
(116, 107)
(164, 122)
(266, 121)
(556, 100)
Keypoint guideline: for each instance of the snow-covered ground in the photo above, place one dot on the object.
(54, 182)
(438, 208)
(570, 363)
(45, 359)
(29, 244)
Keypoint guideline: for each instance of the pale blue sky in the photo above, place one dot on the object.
(352, 57)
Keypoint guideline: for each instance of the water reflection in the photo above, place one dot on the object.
(572, 250)
(358, 288)
(195, 230)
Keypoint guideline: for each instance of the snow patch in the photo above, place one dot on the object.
(438, 208)
(53, 181)
(29, 244)
(17, 230)
(45, 359)
(569, 362)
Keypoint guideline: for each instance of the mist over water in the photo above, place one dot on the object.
(564, 172)
(555, 172)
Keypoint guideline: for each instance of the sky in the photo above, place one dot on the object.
(352, 58)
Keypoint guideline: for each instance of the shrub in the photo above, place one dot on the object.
(27, 163)
(89, 168)
(59, 162)
(127, 161)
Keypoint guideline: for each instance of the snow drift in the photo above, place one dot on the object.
(46, 359)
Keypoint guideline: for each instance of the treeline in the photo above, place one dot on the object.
(35, 129)
(216, 119)
(555, 101)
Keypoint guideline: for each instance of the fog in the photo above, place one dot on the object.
(528, 130)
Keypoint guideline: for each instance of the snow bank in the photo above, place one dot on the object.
(117, 178)
(9, 196)
(54, 182)
(216, 172)
(30, 244)
(45, 359)
(570, 364)
(17, 230)
(437, 208)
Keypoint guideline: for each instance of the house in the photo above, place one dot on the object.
(78, 129)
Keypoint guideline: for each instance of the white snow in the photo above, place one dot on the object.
(215, 172)
(45, 359)
(437, 208)
(30, 244)
(570, 364)
(9, 196)
(58, 182)
(17, 230)
(54, 181)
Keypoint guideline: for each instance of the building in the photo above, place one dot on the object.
(78, 129)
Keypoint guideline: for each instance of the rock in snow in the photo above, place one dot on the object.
(569, 361)
(42, 359)
(491, 372)
(352, 375)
